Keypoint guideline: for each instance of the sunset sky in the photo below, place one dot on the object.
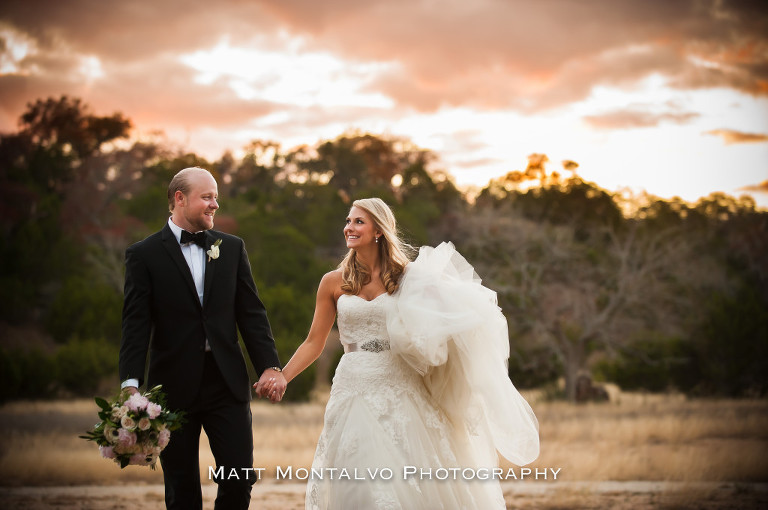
(666, 96)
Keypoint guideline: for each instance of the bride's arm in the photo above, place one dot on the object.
(325, 314)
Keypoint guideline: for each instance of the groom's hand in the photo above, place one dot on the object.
(131, 389)
(272, 385)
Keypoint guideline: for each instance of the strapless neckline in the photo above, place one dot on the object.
(363, 299)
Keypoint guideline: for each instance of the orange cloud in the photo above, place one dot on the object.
(757, 188)
(162, 93)
(484, 54)
(491, 54)
(731, 136)
(133, 31)
(629, 119)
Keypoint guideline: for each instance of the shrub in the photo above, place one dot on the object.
(86, 309)
(654, 363)
(26, 374)
(82, 364)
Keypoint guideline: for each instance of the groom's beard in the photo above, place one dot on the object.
(202, 223)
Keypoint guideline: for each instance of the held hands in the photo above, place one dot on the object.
(272, 385)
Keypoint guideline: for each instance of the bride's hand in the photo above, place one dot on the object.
(271, 386)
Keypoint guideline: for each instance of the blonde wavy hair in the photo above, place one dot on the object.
(393, 251)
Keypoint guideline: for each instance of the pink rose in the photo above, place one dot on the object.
(107, 452)
(142, 459)
(153, 410)
(137, 402)
(126, 438)
(163, 437)
(139, 459)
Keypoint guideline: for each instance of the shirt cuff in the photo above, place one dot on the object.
(129, 382)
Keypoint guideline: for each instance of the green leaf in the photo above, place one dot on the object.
(103, 404)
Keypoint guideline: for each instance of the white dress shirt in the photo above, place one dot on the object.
(195, 257)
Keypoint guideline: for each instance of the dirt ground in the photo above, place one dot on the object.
(710, 454)
(518, 495)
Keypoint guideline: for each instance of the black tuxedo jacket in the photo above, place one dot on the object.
(163, 317)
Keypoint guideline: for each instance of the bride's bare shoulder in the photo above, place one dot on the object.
(332, 277)
(330, 284)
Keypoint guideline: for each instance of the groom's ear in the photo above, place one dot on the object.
(179, 198)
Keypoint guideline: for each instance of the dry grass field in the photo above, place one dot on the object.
(638, 451)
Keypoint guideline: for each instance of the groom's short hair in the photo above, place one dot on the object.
(180, 182)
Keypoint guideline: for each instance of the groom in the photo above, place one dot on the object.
(188, 289)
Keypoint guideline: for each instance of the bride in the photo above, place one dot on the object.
(421, 400)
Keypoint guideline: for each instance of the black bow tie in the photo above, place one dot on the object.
(198, 238)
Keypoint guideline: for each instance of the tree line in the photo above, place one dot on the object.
(650, 294)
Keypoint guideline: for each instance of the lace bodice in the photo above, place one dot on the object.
(362, 323)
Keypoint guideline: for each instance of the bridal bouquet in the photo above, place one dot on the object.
(134, 429)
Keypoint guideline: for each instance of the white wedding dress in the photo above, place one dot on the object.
(421, 390)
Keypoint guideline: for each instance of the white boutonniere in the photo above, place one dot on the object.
(213, 253)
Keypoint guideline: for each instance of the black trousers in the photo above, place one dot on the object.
(227, 423)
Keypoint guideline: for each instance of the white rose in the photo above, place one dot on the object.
(127, 422)
(213, 252)
(119, 412)
(111, 433)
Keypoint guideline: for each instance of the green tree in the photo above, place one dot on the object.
(41, 166)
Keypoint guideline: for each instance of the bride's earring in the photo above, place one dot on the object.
(377, 239)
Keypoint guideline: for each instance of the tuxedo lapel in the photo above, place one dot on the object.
(172, 246)
(210, 268)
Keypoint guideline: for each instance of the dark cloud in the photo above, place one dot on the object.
(536, 55)
(132, 31)
(636, 118)
(528, 36)
(731, 136)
